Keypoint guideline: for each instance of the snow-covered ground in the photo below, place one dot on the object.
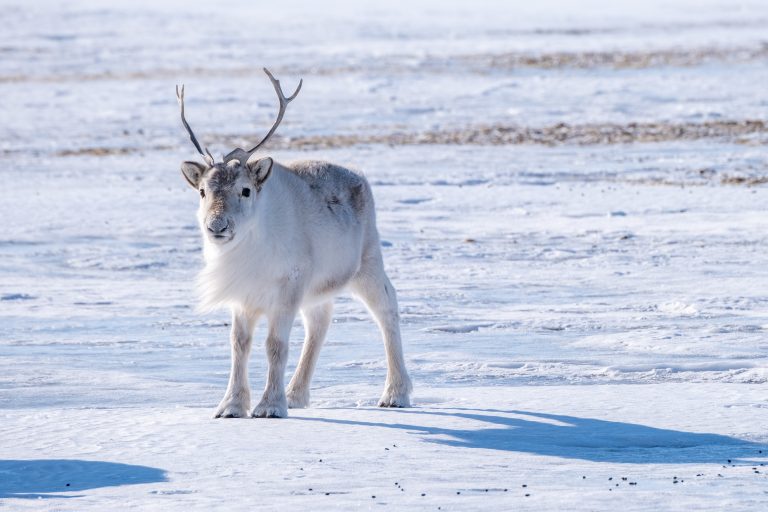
(583, 274)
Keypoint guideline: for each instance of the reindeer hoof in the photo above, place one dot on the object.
(297, 399)
(266, 410)
(395, 399)
(231, 409)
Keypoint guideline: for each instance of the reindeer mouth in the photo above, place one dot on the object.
(222, 239)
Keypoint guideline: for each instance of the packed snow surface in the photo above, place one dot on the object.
(572, 207)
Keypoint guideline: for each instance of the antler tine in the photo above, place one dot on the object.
(207, 155)
(283, 104)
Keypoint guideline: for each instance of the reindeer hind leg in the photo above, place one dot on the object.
(373, 287)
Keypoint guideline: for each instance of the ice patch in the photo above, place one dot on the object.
(17, 296)
(415, 200)
(459, 329)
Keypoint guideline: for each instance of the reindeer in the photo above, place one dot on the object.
(282, 239)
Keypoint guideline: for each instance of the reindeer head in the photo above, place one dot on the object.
(230, 189)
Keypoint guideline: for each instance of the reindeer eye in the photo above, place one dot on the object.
(246, 192)
(202, 193)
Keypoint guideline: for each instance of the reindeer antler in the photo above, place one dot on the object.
(241, 154)
(207, 155)
(283, 104)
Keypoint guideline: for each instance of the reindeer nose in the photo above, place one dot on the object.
(218, 226)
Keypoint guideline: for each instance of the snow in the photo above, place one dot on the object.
(570, 308)
(468, 448)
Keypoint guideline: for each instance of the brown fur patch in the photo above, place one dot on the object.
(222, 177)
(357, 196)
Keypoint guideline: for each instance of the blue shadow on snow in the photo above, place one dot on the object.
(570, 437)
(41, 478)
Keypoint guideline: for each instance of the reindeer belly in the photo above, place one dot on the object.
(335, 262)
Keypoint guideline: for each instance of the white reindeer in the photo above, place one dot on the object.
(281, 239)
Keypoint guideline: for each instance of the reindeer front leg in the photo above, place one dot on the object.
(237, 399)
(273, 403)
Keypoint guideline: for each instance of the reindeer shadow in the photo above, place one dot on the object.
(569, 437)
(42, 478)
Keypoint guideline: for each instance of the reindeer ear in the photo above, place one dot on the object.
(259, 170)
(193, 171)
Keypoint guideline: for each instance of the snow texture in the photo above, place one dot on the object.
(571, 202)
